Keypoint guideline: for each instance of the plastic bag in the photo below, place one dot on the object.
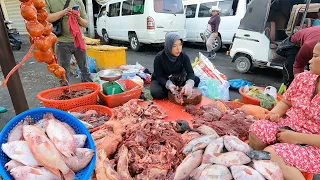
(272, 91)
(132, 68)
(238, 83)
(92, 65)
(216, 90)
(204, 69)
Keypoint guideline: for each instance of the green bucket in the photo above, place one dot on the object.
(111, 88)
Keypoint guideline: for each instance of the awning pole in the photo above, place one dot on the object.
(305, 13)
(7, 62)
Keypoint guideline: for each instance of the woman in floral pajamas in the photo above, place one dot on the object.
(299, 110)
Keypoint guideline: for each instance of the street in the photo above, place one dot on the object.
(36, 78)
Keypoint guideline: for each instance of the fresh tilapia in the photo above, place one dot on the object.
(242, 172)
(12, 164)
(259, 155)
(60, 137)
(20, 151)
(189, 163)
(196, 173)
(16, 133)
(206, 130)
(232, 158)
(212, 151)
(45, 152)
(233, 143)
(216, 172)
(81, 159)
(79, 140)
(199, 143)
(70, 129)
(269, 169)
(30, 173)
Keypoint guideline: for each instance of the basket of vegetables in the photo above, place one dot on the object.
(255, 96)
(92, 116)
(45, 143)
(68, 97)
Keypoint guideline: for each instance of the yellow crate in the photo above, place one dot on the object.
(107, 56)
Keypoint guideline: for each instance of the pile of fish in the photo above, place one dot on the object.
(91, 118)
(211, 157)
(224, 121)
(48, 149)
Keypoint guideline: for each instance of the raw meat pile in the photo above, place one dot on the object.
(48, 149)
(223, 121)
(177, 98)
(130, 111)
(154, 150)
(91, 118)
(210, 156)
(74, 94)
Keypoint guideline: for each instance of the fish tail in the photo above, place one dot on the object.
(69, 176)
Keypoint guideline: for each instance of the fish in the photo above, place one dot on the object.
(16, 133)
(70, 129)
(212, 150)
(79, 140)
(196, 173)
(12, 164)
(242, 172)
(21, 152)
(81, 159)
(45, 152)
(269, 169)
(199, 143)
(123, 167)
(206, 130)
(233, 143)
(32, 173)
(192, 161)
(259, 155)
(216, 172)
(232, 158)
(60, 137)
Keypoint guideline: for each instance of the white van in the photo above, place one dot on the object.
(140, 21)
(198, 14)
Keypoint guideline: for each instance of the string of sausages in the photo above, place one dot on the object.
(41, 38)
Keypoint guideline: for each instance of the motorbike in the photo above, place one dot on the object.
(14, 36)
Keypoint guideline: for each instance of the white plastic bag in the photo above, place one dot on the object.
(272, 91)
(205, 69)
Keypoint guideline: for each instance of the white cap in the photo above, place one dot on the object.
(215, 8)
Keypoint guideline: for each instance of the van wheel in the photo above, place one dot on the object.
(242, 64)
(217, 44)
(105, 38)
(134, 42)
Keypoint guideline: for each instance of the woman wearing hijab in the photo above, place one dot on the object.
(172, 69)
(213, 27)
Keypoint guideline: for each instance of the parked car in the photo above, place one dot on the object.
(198, 14)
(140, 22)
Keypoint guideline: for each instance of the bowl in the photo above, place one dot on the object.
(110, 74)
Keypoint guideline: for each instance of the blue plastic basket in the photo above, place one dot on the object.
(37, 114)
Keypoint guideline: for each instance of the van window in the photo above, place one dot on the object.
(227, 7)
(191, 11)
(204, 9)
(114, 9)
(138, 6)
(168, 6)
(126, 8)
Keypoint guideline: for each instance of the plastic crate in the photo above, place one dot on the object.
(120, 99)
(250, 100)
(36, 115)
(107, 56)
(49, 97)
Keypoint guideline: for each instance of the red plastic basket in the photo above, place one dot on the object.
(250, 100)
(49, 97)
(133, 91)
(101, 110)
